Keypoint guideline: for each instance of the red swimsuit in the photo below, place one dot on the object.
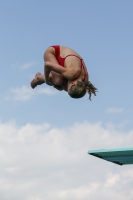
(62, 60)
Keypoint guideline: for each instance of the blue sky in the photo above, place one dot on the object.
(101, 32)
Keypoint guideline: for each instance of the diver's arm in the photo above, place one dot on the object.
(66, 73)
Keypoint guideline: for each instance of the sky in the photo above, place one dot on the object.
(45, 134)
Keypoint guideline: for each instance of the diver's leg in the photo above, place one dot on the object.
(54, 77)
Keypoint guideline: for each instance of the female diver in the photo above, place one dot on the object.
(64, 69)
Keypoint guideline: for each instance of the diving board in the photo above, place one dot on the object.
(123, 156)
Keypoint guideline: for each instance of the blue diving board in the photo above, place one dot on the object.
(117, 156)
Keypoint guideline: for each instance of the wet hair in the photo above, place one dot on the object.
(80, 88)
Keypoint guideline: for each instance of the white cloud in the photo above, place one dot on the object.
(27, 65)
(38, 162)
(24, 66)
(114, 110)
(12, 169)
(25, 93)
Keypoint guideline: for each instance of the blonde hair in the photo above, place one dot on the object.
(80, 88)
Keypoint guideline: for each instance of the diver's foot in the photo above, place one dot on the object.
(37, 80)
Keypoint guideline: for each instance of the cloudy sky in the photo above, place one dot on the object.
(44, 134)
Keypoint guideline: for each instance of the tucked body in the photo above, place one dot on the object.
(64, 69)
